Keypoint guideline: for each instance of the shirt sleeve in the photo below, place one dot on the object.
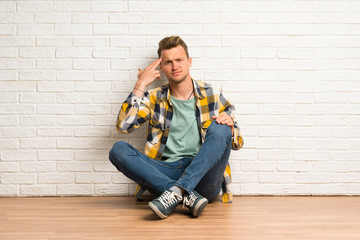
(133, 113)
(228, 108)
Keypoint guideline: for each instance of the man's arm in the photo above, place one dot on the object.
(226, 117)
(135, 109)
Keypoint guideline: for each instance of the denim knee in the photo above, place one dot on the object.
(116, 154)
(219, 131)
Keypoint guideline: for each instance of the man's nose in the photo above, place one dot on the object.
(175, 65)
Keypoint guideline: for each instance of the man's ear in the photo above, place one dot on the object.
(190, 61)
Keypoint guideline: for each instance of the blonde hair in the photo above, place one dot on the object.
(171, 42)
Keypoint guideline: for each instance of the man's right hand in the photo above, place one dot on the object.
(147, 76)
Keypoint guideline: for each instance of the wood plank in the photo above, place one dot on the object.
(258, 218)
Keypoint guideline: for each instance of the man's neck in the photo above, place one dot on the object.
(183, 90)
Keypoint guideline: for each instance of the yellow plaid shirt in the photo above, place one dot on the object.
(155, 107)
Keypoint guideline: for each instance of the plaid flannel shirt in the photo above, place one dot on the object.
(155, 107)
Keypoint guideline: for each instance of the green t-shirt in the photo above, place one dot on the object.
(184, 137)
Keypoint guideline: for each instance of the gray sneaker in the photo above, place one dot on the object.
(164, 205)
(195, 202)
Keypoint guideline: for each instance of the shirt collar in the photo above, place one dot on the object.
(198, 91)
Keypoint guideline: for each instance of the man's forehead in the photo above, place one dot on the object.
(174, 53)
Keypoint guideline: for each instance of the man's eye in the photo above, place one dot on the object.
(179, 60)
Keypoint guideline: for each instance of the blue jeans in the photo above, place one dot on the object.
(203, 173)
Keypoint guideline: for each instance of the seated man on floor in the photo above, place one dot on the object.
(190, 135)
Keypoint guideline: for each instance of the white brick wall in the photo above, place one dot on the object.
(292, 69)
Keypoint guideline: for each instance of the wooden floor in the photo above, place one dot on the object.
(259, 218)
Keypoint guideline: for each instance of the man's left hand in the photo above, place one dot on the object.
(223, 118)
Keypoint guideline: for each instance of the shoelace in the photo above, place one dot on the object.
(190, 200)
(168, 198)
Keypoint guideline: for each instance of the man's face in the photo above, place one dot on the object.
(175, 64)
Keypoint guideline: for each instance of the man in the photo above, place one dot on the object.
(190, 134)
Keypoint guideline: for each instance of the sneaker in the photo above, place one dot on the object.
(195, 202)
(164, 205)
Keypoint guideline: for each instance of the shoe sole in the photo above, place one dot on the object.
(157, 211)
(200, 207)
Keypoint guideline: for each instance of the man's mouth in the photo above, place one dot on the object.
(175, 73)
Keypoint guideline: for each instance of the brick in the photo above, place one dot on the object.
(110, 53)
(73, 98)
(93, 41)
(54, 41)
(131, 18)
(74, 166)
(120, 178)
(294, 167)
(75, 190)
(16, 132)
(57, 155)
(17, 64)
(17, 109)
(73, 53)
(164, 17)
(59, 109)
(9, 29)
(16, 17)
(7, 6)
(38, 190)
(89, 18)
(65, 6)
(7, 75)
(78, 75)
(37, 98)
(37, 121)
(127, 41)
(92, 109)
(56, 87)
(78, 143)
(102, 166)
(162, 29)
(79, 120)
(91, 155)
(35, 29)
(37, 75)
(93, 178)
(145, 6)
(335, 6)
(92, 132)
(93, 64)
(9, 167)
(238, 18)
(311, 18)
(73, 29)
(258, 166)
(113, 29)
(258, 53)
(93, 87)
(203, 18)
(56, 178)
(37, 167)
(38, 143)
(274, 18)
(55, 132)
(51, 64)
(312, 178)
(279, 178)
(9, 190)
(110, 6)
(8, 98)
(35, 6)
(8, 120)
(52, 18)
(112, 190)
(117, 76)
(18, 178)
